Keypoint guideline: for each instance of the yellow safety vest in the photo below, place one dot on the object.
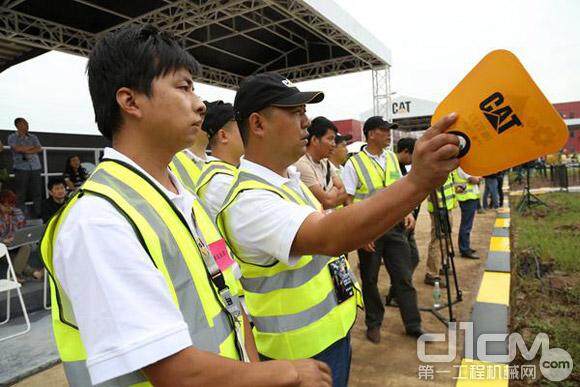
(468, 188)
(449, 192)
(294, 308)
(175, 252)
(209, 170)
(371, 175)
(186, 170)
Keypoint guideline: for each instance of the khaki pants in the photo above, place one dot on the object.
(20, 259)
(434, 252)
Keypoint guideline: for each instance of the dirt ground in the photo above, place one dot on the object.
(394, 361)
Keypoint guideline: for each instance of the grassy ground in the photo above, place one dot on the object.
(546, 286)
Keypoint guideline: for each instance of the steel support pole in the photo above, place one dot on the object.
(382, 92)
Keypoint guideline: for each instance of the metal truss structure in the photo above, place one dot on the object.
(230, 38)
(382, 92)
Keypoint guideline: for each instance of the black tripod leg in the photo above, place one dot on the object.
(445, 264)
(455, 281)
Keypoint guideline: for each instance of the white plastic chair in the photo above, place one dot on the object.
(33, 222)
(7, 285)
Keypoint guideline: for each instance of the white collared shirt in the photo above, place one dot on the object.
(349, 175)
(199, 161)
(121, 302)
(215, 191)
(262, 224)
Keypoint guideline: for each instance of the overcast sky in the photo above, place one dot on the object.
(433, 44)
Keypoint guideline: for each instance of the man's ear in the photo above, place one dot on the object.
(257, 124)
(128, 102)
(223, 136)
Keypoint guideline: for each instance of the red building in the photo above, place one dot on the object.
(352, 127)
(568, 109)
(570, 112)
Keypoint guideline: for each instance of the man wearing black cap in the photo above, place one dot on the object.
(226, 147)
(339, 154)
(298, 288)
(314, 167)
(366, 174)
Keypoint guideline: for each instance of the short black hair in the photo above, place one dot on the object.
(244, 127)
(18, 120)
(130, 57)
(55, 180)
(407, 143)
(319, 126)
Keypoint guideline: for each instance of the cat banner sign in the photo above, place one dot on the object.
(503, 117)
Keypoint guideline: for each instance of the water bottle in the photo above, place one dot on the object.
(436, 295)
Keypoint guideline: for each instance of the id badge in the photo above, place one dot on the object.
(220, 254)
(343, 284)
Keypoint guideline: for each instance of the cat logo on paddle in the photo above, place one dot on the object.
(500, 116)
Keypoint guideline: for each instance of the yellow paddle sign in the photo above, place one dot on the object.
(503, 116)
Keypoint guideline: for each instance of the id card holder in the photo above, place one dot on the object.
(343, 284)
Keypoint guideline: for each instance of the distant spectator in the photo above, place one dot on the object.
(499, 178)
(339, 154)
(5, 165)
(12, 219)
(27, 181)
(491, 189)
(315, 171)
(57, 196)
(74, 174)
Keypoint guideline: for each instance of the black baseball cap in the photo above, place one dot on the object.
(377, 122)
(217, 115)
(342, 137)
(269, 89)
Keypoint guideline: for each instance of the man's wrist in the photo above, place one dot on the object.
(415, 185)
(283, 372)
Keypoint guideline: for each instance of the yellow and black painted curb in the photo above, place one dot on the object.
(491, 310)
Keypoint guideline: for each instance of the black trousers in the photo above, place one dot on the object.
(28, 185)
(499, 178)
(394, 251)
(414, 250)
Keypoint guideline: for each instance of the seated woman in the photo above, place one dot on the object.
(12, 219)
(74, 174)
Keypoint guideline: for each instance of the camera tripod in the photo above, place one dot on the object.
(443, 234)
(528, 199)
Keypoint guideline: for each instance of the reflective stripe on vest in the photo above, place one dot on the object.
(185, 169)
(449, 192)
(209, 170)
(294, 308)
(371, 176)
(468, 188)
(174, 253)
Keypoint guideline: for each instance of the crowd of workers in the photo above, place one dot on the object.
(172, 267)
